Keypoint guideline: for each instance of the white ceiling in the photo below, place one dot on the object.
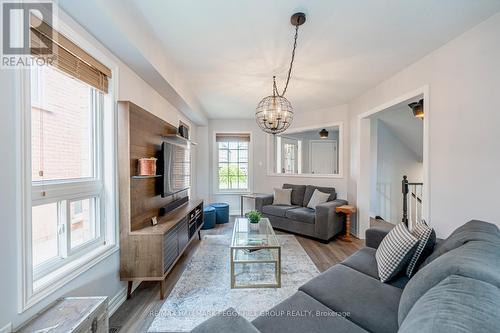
(226, 51)
(229, 50)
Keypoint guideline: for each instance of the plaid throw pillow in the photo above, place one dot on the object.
(394, 252)
(427, 239)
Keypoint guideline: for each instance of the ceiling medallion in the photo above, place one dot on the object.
(274, 114)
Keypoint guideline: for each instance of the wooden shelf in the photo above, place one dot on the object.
(177, 139)
(145, 177)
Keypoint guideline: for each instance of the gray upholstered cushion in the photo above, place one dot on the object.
(457, 304)
(282, 196)
(302, 313)
(301, 214)
(297, 193)
(364, 261)
(310, 190)
(472, 230)
(277, 210)
(476, 259)
(373, 305)
(227, 322)
(374, 235)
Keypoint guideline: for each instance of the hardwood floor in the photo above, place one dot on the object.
(137, 313)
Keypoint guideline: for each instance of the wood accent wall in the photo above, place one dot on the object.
(145, 132)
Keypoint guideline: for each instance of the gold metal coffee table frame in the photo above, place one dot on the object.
(255, 245)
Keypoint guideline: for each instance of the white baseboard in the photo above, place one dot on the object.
(6, 329)
(118, 299)
(236, 212)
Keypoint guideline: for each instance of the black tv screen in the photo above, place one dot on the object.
(176, 164)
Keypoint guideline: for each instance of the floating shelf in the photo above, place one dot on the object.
(144, 177)
(176, 138)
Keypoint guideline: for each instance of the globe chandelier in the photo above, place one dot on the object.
(274, 114)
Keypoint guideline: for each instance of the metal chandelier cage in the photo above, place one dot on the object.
(274, 114)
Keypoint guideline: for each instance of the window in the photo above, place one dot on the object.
(68, 165)
(233, 161)
(66, 170)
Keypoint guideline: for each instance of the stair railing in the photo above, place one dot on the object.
(412, 201)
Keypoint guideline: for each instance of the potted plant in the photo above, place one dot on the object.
(254, 219)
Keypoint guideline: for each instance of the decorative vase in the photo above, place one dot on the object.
(254, 226)
(147, 166)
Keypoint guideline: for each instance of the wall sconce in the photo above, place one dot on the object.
(417, 108)
(323, 134)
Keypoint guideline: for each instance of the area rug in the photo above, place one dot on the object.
(204, 288)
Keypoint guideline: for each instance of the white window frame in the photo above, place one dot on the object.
(217, 190)
(103, 186)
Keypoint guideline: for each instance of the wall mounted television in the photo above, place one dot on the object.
(176, 165)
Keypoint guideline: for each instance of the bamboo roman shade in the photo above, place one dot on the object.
(226, 137)
(69, 57)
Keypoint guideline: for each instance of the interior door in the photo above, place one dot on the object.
(323, 156)
(289, 155)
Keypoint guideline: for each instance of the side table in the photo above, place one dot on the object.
(347, 210)
(249, 196)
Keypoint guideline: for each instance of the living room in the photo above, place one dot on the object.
(208, 166)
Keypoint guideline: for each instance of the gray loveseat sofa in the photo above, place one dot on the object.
(456, 289)
(322, 223)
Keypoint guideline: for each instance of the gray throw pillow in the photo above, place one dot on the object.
(318, 198)
(395, 251)
(282, 196)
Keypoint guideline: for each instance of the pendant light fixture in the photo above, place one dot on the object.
(274, 113)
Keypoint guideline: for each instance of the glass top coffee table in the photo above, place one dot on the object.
(255, 255)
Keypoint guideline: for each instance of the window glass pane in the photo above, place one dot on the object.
(223, 155)
(243, 145)
(44, 221)
(61, 126)
(243, 156)
(82, 222)
(233, 145)
(233, 156)
(223, 145)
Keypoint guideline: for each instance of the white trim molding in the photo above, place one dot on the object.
(363, 155)
(271, 158)
(6, 329)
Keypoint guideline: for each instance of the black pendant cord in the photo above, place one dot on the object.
(291, 64)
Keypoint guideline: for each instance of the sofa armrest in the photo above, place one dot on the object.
(328, 222)
(263, 200)
(374, 235)
(229, 321)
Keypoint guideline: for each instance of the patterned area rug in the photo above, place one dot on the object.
(204, 287)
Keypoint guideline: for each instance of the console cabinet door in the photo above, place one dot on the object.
(170, 248)
(183, 234)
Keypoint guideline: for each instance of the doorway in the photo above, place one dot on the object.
(371, 188)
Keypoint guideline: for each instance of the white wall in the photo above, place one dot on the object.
(102, 279)
(393, 160)
(262, 182)
(464, 80)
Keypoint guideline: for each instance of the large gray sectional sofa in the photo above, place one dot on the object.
(456, 289)
(322, 223)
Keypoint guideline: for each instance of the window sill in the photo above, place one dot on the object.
(233, 192)
(47, 285)
(306, 175)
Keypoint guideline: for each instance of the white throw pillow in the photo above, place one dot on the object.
(395, 251)
(318, 198)
(282, 196)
